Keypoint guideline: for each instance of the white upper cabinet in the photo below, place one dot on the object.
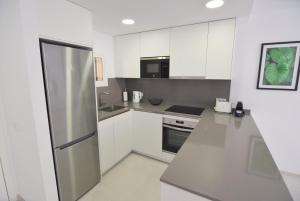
(127, 56)
(188, 47)
(220, 49)
(155, 43)
(196, 51)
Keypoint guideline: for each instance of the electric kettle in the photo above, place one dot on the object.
(137, 96)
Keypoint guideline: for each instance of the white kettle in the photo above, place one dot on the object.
(137, 96)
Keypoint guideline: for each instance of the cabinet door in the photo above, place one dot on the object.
(123, 135)
(107, 144)
(147, 131)
(155, 43)
(188, 46)
(127, 56)
(220, 49)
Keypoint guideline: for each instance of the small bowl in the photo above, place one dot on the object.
(155, 101)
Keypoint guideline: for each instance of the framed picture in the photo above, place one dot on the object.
(279, 66)
(99, 68)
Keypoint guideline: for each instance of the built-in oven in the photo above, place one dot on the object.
(154, 67)
(175, 132)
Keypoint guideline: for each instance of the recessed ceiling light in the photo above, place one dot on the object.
(214, 3)
(128, 21)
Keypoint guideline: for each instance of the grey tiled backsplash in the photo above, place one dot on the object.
(115, 88)
(174, 91)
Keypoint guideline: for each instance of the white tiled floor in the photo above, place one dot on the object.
(136, 178)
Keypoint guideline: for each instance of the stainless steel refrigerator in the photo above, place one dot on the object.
(70, 92)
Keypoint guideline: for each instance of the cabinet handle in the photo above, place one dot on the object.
(179, 122)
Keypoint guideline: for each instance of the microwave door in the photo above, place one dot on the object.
(150, 69)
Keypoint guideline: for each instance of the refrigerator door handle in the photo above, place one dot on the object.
(77, 141)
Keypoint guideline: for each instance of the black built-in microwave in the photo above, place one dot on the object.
(154, 67)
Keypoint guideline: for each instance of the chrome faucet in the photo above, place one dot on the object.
(100, 98)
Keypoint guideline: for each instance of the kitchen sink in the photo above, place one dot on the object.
(112, 108)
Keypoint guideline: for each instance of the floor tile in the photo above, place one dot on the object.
(136, 178)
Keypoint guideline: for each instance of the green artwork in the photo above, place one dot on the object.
(279, 66)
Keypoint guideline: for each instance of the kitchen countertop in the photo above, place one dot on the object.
(143, 106)
(225, 159)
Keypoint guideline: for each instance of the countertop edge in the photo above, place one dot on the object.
(189, 190)
(143, 107)
(116, 113)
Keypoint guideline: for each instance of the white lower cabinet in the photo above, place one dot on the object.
(147, 133)
(106, 144)
(123, 135)
(115, 140)
(130, 131)
(172, 193)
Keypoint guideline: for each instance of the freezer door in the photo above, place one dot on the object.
(77, 168)
(70, 90)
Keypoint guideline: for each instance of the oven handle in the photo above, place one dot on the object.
(178, 129)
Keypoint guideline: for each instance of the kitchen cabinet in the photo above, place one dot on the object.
(188, 46)
(155, 43)
(147, 133)
(127, 56)
(196, 51)
(115, 140)
(106, 144)
(220, 49)
(123, 135)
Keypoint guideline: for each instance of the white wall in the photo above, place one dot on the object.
(22, 91)
(22, 86)
(16, 100)
(64, 21)
(31, 25)
(293, 183)
(3, 191)
(275, 112)
(6, 156)
(104, 47)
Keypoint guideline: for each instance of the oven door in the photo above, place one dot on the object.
(174, 137)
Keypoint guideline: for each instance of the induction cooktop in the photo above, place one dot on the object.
(185, 109)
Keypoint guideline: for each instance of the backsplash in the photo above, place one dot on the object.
(179, 91)
(173, 91)
(115, 88)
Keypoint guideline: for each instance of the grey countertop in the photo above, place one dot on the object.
(225, 158)
(143, 106)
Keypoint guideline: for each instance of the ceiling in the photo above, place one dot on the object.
(156, 14)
